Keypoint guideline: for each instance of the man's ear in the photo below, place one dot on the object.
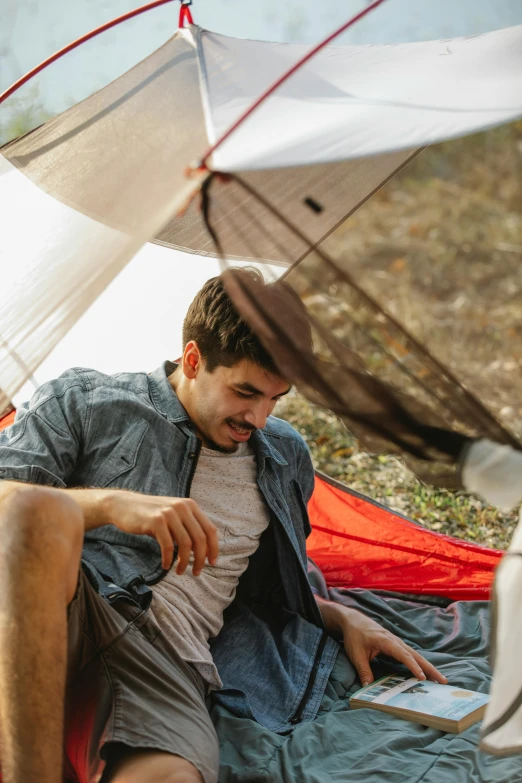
(191, 360)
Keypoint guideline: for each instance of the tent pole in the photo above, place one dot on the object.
(61, 52)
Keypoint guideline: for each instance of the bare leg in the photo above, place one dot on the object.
(149, 765)
(41, 535)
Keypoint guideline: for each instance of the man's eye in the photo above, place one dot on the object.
(245, 396)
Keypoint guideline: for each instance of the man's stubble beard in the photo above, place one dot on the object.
(209, 443)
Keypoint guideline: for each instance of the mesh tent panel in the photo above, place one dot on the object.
(388, 386)
(318, 197)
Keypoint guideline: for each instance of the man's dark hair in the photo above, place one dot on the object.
(222, 336)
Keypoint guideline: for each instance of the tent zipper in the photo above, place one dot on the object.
(296, 717)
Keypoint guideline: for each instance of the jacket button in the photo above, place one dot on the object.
(192, 454)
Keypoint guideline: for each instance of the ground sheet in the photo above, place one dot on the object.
(364, 745)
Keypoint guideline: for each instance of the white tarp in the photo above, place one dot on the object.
(355, 101)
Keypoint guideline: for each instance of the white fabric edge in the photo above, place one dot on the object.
(204, 85)
(441, 121)
(494, 472)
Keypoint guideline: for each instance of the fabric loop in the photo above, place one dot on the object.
(184, 14)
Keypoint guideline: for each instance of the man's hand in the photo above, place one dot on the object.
(171, 521)
(364, 639)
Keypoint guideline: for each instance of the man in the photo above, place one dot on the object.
(131, 506)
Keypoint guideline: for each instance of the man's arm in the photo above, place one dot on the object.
(94, 503)
(44, 446)
(364, 639)
(171, 521)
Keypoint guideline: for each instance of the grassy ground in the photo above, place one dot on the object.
(441, 248)
(387, 479)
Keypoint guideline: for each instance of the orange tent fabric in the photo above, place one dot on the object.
(7, 420)
(359, 543)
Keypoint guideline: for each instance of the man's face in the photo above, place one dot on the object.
(230, 403)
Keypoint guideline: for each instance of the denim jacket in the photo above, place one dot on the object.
(130, 431)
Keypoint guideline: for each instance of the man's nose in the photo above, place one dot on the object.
(257, 416)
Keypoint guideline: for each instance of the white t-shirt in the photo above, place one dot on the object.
(189, 609)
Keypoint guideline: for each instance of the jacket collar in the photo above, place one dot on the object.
(264, 449)
(163, 396)
(166, 402)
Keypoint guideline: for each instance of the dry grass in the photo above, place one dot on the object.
(387, 479)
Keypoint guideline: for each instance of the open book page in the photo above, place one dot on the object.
(430, 698)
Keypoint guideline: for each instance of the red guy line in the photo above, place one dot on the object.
(286, 76)
(60, 53)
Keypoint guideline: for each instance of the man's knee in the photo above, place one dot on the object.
(40, 522)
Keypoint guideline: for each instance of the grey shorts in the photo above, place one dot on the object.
(125, 691)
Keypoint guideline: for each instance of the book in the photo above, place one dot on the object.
(445, 707)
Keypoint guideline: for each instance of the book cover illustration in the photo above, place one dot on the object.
(431, 698)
